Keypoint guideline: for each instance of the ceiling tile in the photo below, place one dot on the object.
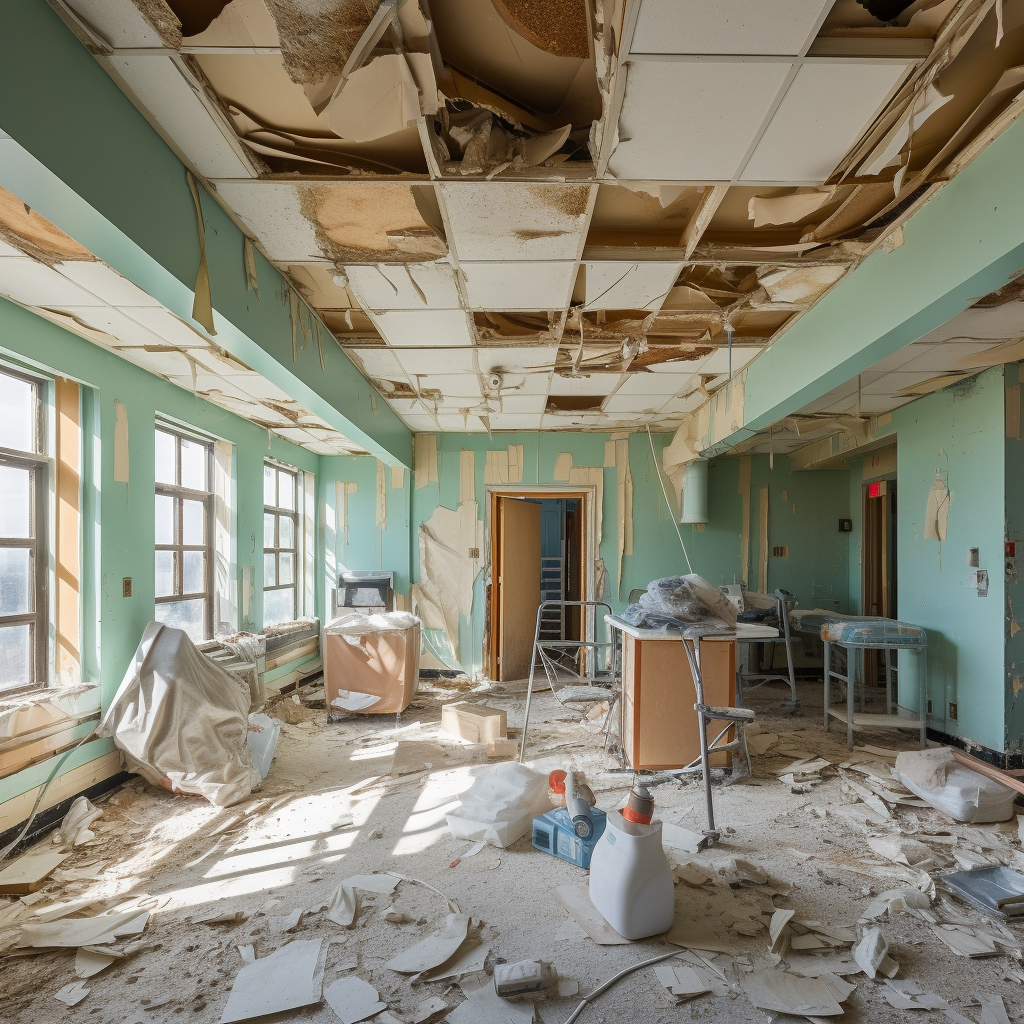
(35, 284)
(516, 220)
(518, 286)
(514, 421)
(170, 328)
(654, 383)
(273, 213)
(455, 388)
(404, 286)
(523, 403)
(726, 26)
(686, 121)
(593, 384)
(512, 360)
(825, 109)
(718, 361)
(525, 383)
(377, 362)
(120, 21)
(622, 404)
(444, 328)
(420, 422)
(677, 406)
(629, 285)
(437, 360)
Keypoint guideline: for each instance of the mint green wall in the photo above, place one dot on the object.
(86, 159)
(803, 514)
(959, 432)
(369, 545)
(118, 518)
(656, 548)
(1013, 613)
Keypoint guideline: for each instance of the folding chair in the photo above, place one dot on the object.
(737, 718)
(574, 668)
(785, 603)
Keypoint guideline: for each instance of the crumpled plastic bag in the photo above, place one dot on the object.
(675, 601)
(182, 720)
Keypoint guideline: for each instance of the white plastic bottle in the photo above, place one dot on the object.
(631, 880)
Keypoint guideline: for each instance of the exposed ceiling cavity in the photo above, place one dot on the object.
(608, 194)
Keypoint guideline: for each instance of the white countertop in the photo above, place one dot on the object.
(744, 631)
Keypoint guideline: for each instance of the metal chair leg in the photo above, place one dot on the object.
(828, 680)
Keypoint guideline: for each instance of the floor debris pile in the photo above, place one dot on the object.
(341, 893)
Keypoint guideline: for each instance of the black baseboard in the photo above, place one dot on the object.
(440, 673)
(996, 758)
(46, 821)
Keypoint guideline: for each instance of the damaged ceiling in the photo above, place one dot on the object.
(48, 272)
(583, 214)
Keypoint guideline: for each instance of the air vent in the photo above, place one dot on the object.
(780, 551)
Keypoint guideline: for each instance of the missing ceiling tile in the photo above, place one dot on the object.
(574, 403)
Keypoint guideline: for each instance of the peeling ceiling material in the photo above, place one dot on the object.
(34, 235)
(374, 222)
(589, 205)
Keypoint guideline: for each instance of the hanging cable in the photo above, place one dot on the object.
(668, 504)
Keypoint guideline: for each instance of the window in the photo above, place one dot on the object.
(280, 542)
(24, 499)
(184, 532)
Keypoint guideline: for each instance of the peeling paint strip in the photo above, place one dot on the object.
(382, 500)
(588, 476)
(425, 459)
(397, 478)
(467, 475)
(624, 505)
(515, 463)
(609, 454)
(293, 313)
(251, 280)
(744, 492)
(563, 467)
(762, 575)
(496, 467)
(320, 349)
(120, 443)
(202, 303)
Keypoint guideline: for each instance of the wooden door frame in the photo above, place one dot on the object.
(587, 494)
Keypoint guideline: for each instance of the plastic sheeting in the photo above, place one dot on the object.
(965, 795)
(500, 806)
(182, 720)
(679, 601)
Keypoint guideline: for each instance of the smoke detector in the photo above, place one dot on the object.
(494, 381)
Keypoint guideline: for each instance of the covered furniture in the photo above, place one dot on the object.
(857, 636)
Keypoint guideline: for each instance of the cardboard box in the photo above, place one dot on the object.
(474, 723)
(385, 664)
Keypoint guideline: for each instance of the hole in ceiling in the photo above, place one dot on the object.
(574, 403)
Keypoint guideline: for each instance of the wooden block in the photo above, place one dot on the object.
(474, 723)
(29, 873)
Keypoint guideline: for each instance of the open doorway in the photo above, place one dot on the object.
(538, 552)
(878, 565)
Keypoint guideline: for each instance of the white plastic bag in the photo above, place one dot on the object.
(965, 795)
(501, 804)
(263, 735)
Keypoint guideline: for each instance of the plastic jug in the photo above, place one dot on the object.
(630, 878)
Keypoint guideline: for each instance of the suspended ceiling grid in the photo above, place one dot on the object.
(657, 184)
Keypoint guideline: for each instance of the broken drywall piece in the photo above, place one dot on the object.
(787, 209)
(379, 99)
(84, 931)
(779, 992)
(777, 930)
(74, 829)
(427, 1009)
(120, 443)
(72, 994)
(202, 304)
(344, 906)
(576, 900)
(471, 958)
(435, 949)
(397, 478)
(29, 872)
(677, 837)
(484, 1006)
(467, 475)
(563, 467)
(425, 459)
(993, 1010)
(353, 999)
(249, 259)
(936, 510)
(681, 980)
(382, 884)
(609, 455)
(871, 951)
(285, 980)
(496, 467)
(88, 962)
(382, 500)
(624, 506)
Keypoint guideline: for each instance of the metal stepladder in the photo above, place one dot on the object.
(745, 680)
(734, 718)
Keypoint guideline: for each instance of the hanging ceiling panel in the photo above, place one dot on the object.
(518, 286)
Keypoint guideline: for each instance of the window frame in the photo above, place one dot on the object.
(180, 494)
(278, 511)
(38, 463)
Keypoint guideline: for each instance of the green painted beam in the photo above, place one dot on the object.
(85, 158)
(966, 242)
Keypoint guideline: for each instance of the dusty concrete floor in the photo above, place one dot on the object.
(328, 810)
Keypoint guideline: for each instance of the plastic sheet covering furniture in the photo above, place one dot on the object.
(859, 635)
(373, 656)
(182, 720)
(245, 654)
(784, 602)
(578, 671)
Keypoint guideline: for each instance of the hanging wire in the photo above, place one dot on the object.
(668, 504)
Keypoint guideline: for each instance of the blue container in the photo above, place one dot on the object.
(553, 833)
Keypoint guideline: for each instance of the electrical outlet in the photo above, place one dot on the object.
(780, 551)
(929, 706)
(952, 711)
(474, 553)
(126, 587)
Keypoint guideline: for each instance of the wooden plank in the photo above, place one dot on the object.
(29, 873)
(518, 585)
(701, 218)
(996, 774)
